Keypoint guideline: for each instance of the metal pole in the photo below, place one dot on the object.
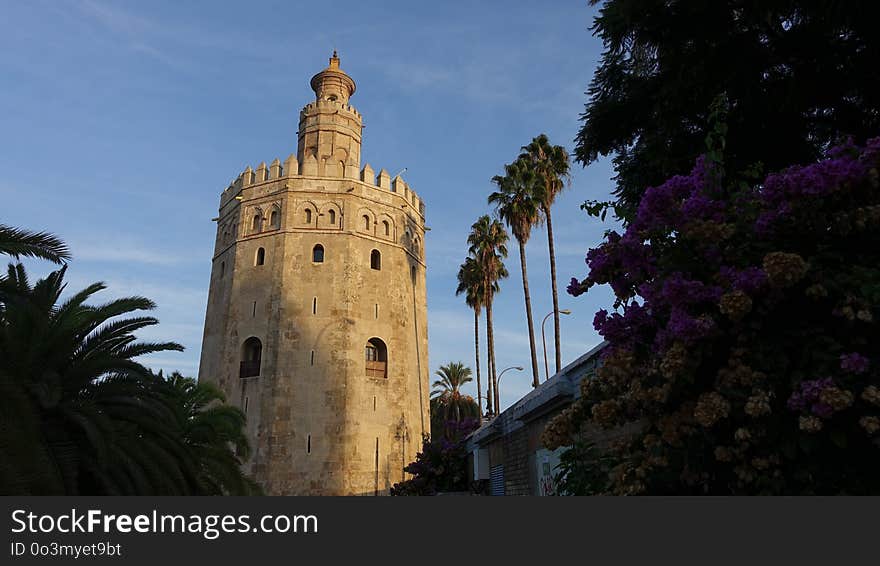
(544, 341)
(498, 385)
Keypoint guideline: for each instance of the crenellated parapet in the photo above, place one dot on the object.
(329, 106)
(291, 169)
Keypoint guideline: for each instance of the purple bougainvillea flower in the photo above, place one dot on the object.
(854, 363)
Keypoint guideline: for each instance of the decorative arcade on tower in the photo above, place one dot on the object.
(316, 325)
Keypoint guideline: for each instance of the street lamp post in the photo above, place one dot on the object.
(498, 384)
(544, 341)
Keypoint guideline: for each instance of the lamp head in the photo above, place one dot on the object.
(565, 311)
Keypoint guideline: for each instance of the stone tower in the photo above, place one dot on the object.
(316, 323)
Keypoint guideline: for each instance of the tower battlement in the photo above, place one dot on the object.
(316, 324)
(329, 106)
(276, 171)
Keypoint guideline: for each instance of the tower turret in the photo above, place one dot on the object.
(330, 128)
(333, 83)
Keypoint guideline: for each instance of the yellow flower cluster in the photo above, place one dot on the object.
(738, 373)
(816, 291)
(784, 269)
(617, 368)
(650, 394)
(871, 394)
(675, 362)
(870, 424)
(605, 413)
(810, 423)
(758, 404)
(711, 408)
(736, 305)
(742, 435)
(837, 398)
(559, 431)
(723, 454)
(858, 219)
(855, 313)
(708, 231)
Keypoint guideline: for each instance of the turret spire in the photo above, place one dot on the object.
(333, 83)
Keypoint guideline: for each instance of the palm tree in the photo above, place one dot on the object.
(551, 164)
(214, 435)
(488, 246)
(79, 414)
(447, 396)
(517, 203)
(470, 282)
(18, 243)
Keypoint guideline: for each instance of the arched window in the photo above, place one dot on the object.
(376, 358)
(318, 253)
(251, 357)
(387, 227)
(332, 217)
(257, 223)
(261, 257)
(375, 260)
(308, 216)
(366, 220)
(275, 219)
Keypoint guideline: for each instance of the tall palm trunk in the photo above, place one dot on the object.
(528, 297)
(556, 333)
(477, 356)
(493, 378)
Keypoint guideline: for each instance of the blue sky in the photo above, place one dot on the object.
(124, 120)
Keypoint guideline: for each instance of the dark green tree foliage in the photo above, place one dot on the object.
(441, 466)
(80, 415)
(17, 243)
(799, 76)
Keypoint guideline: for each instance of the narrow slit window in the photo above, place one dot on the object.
(315, 305)
(376, 488)
(309, 445)
(254, 314)
(377, 310)
(222, 268)
(312, 358)
(246, 405)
